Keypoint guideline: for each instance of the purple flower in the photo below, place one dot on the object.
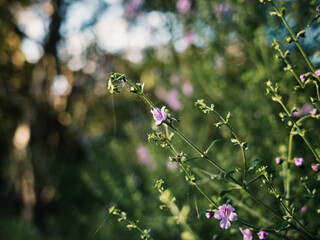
(314, 111)
(183, 6)
(318, 71)
(305, 110)
(173, 101)
(132, 8)
(187, 88)
(247, 235)
(299, 162)
(278, 160)
(226, 214)
(302, 78)
(159, 115)
(144, 157)
(209, 214)
(304, 209)
(263, 235)
(171, 98)
(318, 8)
(315, 168)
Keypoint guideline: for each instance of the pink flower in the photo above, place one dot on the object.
(302, 78)
(144, 157)
(314, 111)
(209, 214)
(247, 235)
(305, 110)
(183, 6)
(187, 88)
(132, 8)
(304, 209)
(189, 37)
(318, 71)
(263, 235)
(172, 99)
(299, 162)
(226, 214)
(278, 160)
(159, 115)
(315, 168)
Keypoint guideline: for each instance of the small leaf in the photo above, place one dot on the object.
(273, 13)
(253, 164)
(231, 172)
(296, 207)
(211, 145)
(277, 227)
(282, 10)
(316, 18)
(288, 39)
(302, 33)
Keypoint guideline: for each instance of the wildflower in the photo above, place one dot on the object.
(318, 8)
(187, 88)
(183, 6)
(314, 111)
(305, 110)
(173, 101)
(263, 235)
(299, 162)
(226, 214)
(278, 160)
(304, 209)
(247, 235)
(159, 115)
(144, 156)
(209, 214)
(315, 168)
(318, 71)
(302, 78)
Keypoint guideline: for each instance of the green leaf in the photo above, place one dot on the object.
(296, 207)
(302, 33)
(277, 227)
(253, 164)
(211, 145)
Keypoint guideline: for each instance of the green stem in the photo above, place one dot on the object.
(141, 93)
(294, 38)
(302, 134)
(239, 142)
(202, 154)
(253, 180)
(264, 205)
(287, 167)
(198, 187)
(304, 230)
